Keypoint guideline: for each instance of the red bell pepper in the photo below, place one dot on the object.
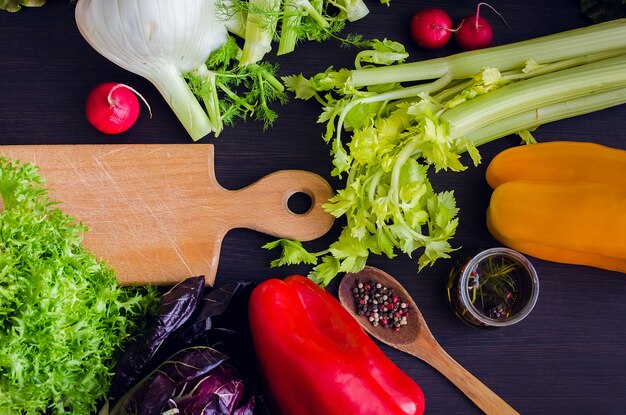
(316, 359)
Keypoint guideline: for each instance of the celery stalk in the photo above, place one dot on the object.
(535, 92)
(532, 119)
(518, 74)
(588, 40)
(396, 94)
(400, 132)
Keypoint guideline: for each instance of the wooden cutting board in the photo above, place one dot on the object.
(157, 214)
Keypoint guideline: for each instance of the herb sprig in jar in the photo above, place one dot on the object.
(493, 288)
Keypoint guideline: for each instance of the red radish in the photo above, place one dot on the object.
(475, 32)
(112, 107)
(431, 28)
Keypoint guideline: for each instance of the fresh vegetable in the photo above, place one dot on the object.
(196, 356)
(544, 219)
(112, 108)
(213, 82)
(195, 380)
(583, 44)
(316, 359)
(175, 308)
(294, 22)
(559, 161)
(173, 39)
(352, 10)
(260, 27)
(431, 28)
(173, 50)
(230, 91)
(63, 317)
(559, 185)
(290, 21)
(398, 133)
(474, 32)
(16, 5)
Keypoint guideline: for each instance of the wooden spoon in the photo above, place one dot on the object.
(416, 339)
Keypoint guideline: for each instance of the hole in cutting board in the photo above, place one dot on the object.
(300, 203)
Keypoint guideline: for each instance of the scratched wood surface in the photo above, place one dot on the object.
(157, 214)
(567, 357)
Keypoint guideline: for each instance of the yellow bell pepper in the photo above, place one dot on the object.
(562, 202)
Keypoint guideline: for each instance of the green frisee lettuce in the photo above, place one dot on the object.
(63, 317)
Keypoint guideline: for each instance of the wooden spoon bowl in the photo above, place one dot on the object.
(398, 339)
(416, 339)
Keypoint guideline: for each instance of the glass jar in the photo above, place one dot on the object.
(496, 287)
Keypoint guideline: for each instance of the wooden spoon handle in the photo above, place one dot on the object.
(474, 389)
(262, 206)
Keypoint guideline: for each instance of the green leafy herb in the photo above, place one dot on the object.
(261, 22)
(63, 317)
(292, 253)
(494, 287)
(230, 91)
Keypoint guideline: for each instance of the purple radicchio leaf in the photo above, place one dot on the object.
(247, 409)
(175, 308)
(155, 397)
(182, 367)
(220, 321)
(221, 308)
(153, 394)
(170, 408)
(221, 390)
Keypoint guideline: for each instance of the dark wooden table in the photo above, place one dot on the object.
(567, 357)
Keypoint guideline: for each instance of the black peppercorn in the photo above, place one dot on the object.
(379, 305)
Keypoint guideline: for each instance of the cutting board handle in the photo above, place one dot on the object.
(263, 206)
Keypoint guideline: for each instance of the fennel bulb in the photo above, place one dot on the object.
(159, 40)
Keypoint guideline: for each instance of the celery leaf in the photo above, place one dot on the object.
(299, 85)
(292, 253)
